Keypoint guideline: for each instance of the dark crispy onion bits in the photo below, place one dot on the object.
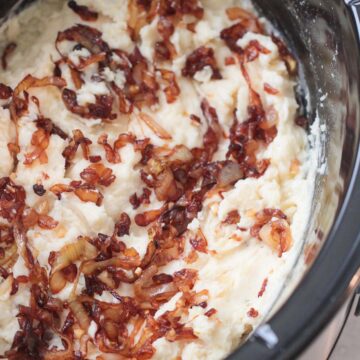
(88, 37)
(83, 11)
(98, 174)
(253, 313)
(77, 140)
(230, 60)
(122, 226)
(232, 218)
(141, 86)
(270, 90)
(32, 339)
(164, 51)
(286, 55)
(9, 49)
(102, 108)
(195, 118)
(232, 34)
(12, 199)
(172, 90)
(263, 287)
(253, 50)
(198, 60)
(214, 132)
(166, 187)
(210, 312)
(50, 127)
(146, 290)
(165, 27)
(199, 242)
(136, 201)
(138, 17)
(246, 137)
(111, 153)
(5, 92)
(303, 122)
(39, 189)
(235, 32)
(263, 217)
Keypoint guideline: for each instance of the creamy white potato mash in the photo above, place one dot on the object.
(132, 107)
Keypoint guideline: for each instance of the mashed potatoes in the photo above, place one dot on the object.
(162, 167)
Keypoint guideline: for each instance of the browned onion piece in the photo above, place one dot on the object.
(9, 49)
(148, 217)
(5, 92)
(66, 354)
(155, 127)
(172, 90)
(96, 58)
(83, 11)
(57, 282)
(46, 222)
(80, 314)
(277, 235)
(72, 252)
(200, 58)
(165, 186)
(12, 199)
(121, 261)
(89, 195)
(286, 55)
(101, 109)
(235, 13)
(235, 32)
(48, 126)
(58, 189)
(88, 37)
(30, 82)
(40, 140)
(98, 174)
(137, 18)
(112, 156)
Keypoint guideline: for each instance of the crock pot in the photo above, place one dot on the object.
(325, 37)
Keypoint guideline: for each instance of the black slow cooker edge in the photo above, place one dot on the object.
(335, 273)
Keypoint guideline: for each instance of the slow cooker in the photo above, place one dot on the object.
(325, 37)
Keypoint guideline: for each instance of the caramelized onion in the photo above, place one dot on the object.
(198, 60)
(72, 252)
(155, 127)
(80, 314)
(83, 11)
(98, 174)
(146, 218)
(30, 82)
(277, 235)
(5, 92)
(9, 49)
